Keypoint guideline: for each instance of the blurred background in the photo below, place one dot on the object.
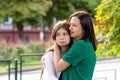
(25, 26)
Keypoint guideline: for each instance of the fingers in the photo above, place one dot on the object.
(43, 63)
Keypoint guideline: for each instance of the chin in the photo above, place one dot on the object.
(72, 35)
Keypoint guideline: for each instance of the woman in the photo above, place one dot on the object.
(61, 35)
(79, 61)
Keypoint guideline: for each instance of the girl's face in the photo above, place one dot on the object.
(76, 30)
(62, 37)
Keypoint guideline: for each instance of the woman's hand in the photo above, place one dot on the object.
(56, 49)
(57, 59)
(43, 63)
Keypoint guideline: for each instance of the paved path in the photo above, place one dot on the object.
(108, 69)
(29, 75)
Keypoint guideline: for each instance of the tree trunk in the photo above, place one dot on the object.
(20, 27)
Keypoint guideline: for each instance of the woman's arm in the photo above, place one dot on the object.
(59, 63)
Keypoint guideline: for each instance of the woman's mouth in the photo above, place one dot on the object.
(71, 32)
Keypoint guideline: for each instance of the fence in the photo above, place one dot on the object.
(104, 70)
(21, 62)
(18, 66)
(8, 64)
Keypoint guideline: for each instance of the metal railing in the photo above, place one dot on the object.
(8, 64)
(21, 61)
(112, 70)
(15, 68)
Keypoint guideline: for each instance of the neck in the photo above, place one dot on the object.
(64, 50)
(78, 37)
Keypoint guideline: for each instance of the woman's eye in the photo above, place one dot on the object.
(73, 25)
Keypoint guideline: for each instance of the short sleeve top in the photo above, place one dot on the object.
(82, 58)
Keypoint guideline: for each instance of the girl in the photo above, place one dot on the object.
(61, 35)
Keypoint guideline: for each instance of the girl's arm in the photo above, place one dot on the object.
(60, 64)
(49, 69)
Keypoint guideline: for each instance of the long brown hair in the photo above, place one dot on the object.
(87, 25)
(60, 24)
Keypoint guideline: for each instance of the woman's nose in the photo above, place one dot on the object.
(70, 27)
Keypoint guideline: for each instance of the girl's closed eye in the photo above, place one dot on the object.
(65, 34)
(58, 34)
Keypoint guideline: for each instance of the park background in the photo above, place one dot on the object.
(42, 14)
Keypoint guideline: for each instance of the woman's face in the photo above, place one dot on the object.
(62, 37)
(76, 30)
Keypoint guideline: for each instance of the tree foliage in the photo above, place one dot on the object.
(23, 11)
(108, 21)
(61, 9)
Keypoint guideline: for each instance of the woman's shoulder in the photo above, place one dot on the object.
(79, 42)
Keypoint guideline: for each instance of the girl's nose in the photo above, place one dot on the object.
(62, 37)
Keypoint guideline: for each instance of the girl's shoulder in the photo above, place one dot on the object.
(49, 54)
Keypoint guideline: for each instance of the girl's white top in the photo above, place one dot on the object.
(49, 72)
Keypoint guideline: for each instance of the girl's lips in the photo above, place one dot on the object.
(62, 41)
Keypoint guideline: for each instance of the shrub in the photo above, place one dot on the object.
(12, 51)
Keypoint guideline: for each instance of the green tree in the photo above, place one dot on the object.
(24, 11)
(108, 21)
(61, 9)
